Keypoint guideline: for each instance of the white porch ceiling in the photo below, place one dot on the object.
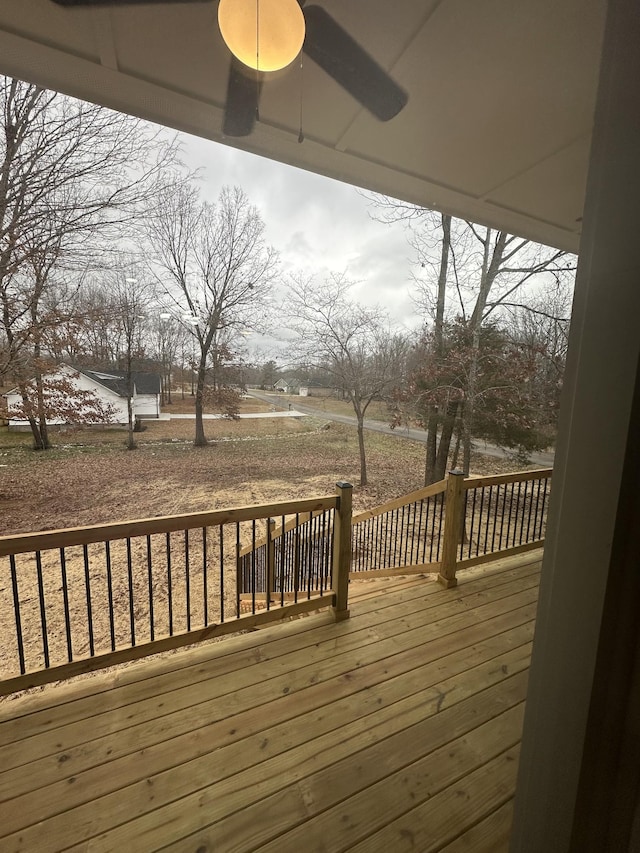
(497, 128)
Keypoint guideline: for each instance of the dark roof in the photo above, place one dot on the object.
(115, 380)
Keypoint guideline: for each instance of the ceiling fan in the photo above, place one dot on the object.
(326, 42)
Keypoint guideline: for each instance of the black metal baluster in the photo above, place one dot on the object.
(504, 505)
(366, 558)
(495, 518)
(205, 583)
(187, 577)
(308, 559)
(65, 601)
(513, 486)
(253, 566)
(87, 584)
(314, 555)
(238, 570)
(112, 625)
(296, 559)
(323, 569)
(332, 539)
(439, 548)
(464, 523)
(535, 514)
(425, 531)
(169, 586)
(391, 540)
(132, 617)
(16, 612)
(542, 508)
(473, 517)
(222, 590)
(269, 576)
(283, 558)
(414, 541)
(486, 526)
(43, 614)
(152, 626)
(520, 517)
(479, 533)
(420, 533)
(530, 511)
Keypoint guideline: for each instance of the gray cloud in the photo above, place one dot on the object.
(318, 225)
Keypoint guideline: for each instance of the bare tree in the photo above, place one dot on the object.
(352, 342)
(220, 270)
(70, 174)
(472, 274)
(168, 338)
(130, 296)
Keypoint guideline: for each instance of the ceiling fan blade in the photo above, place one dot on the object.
(337, 53)
(121, 2)
(243, 97)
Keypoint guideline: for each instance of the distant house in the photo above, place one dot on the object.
(287, 386)
(110, 386)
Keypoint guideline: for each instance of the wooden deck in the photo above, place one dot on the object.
(395, 730)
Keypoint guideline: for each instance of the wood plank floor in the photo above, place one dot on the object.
(395, 730)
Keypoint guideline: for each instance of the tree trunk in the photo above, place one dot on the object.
(438, 339)
(38, 442)
(469, 404)
(35, 430)
(131, 442)
(42, 420)
(456, 451)
(363, 459)
(200, 439)
(431, 448)
(445, 441)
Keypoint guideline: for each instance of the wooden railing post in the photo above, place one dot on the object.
(270, 579)
(454, 505)
(342, 551)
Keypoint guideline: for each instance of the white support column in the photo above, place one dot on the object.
(590, 458)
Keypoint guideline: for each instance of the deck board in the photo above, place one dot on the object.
(310, 735)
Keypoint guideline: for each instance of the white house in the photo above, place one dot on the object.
(110, 387)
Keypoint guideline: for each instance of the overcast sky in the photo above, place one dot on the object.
(315, 223)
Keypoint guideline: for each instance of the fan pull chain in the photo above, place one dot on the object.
(301, 134)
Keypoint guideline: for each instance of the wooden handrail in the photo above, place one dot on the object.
(426, 492)
(512, 477)
(276, 532)
(23, 543)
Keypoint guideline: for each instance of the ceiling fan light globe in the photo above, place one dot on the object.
(266, 35)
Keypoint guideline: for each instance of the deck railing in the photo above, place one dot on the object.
(291, 558)
(82, 598)
(492, 517)
(446, 526)
(406, 532)
(452, 524)
(77, 599)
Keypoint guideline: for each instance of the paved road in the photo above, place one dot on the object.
(545, 460)
(287, 413)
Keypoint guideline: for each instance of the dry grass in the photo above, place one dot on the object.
(376, 411)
